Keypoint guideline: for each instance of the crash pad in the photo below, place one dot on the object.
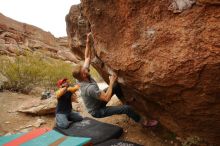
(26, 137)
(88, 127)
(53, 138)
(8, 138)
(45, 139)
(75, 141)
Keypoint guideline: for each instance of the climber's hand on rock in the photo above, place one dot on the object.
(89, 34)
(112, 79)
(89, 37)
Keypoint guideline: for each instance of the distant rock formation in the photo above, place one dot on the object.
(168, 64)
(17, 37)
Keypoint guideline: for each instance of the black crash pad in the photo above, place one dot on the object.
(117, 142)
(88, 127)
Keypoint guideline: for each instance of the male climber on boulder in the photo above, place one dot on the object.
(95, 99)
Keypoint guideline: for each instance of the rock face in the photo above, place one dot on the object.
(208, 2)
(168, 64)
(16, 37)
(77, 30)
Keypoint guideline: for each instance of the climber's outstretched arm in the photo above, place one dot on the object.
(87, 52)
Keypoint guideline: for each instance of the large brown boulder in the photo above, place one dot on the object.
(168, 64)
(77, 30)
(208, 2)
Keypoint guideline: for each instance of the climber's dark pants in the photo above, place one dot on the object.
(106, 111)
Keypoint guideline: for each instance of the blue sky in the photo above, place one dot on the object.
(46, 14)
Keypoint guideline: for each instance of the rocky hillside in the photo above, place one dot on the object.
(16, 37)
(166, 54)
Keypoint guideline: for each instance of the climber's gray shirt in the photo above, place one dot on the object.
(90, 93)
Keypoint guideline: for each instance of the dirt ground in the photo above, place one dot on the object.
(12, 121)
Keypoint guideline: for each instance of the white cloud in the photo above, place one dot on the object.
(46, 14)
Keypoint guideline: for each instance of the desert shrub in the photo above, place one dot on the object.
(25, 72)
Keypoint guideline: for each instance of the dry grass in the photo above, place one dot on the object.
(26, 72)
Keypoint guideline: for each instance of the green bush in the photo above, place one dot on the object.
(26, 72)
